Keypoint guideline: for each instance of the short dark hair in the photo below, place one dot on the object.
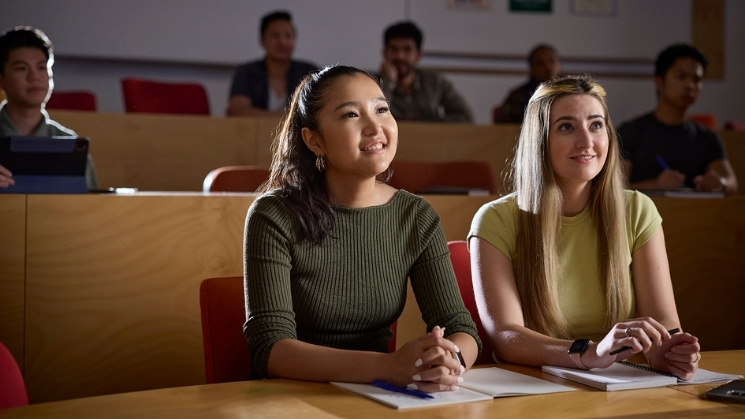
(535, 50)
(20, 37)
(405, 29)
(667, 58)
(271, 17)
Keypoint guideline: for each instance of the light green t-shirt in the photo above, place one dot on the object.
(581, 297)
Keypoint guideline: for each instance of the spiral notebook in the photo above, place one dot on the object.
(624, 375)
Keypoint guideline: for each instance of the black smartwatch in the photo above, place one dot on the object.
(579, 347)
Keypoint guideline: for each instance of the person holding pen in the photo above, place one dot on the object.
(570, 269)
(329, 249)
(664, 149)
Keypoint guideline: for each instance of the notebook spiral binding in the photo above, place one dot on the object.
(646, 368)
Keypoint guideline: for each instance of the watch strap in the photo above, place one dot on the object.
(577, 358)
(576, 350)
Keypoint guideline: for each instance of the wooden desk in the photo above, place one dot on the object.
(102, 290)
(296, 399)
(174, 152)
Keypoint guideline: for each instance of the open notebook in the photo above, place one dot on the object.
(624, 375)
(478, 384)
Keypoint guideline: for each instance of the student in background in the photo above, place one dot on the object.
(329, 248)
(665, 150)
(416, 94)
(26, 58)
(262, 87)
(571, 266)
(545, 64)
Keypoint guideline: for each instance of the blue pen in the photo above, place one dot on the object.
(662, 162)
(397, 389)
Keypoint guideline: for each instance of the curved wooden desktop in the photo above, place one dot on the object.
(298, 399)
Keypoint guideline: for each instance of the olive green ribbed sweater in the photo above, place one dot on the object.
(346, 292)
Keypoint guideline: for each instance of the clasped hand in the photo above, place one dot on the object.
(427, 363)
(710, 181)
(677, 354)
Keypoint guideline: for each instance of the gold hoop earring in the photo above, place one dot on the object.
(320, 164)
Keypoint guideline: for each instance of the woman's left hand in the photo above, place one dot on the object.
(678, 355)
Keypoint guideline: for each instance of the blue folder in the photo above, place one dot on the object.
(53, 165)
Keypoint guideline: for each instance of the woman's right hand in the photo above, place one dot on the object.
(6, 178)
(639, 335)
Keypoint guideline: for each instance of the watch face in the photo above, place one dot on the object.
(579, 346)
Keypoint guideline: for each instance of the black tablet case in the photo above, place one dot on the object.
(53, 165)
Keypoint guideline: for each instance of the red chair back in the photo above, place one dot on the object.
(235, 179)
(147, 96)
(461, 260)
(12, 387)
(226, 356)
(709, 120)
(495, 113)
(735, 125)
(72, 100)
(442, 177)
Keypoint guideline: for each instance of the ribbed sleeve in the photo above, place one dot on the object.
(346, 292)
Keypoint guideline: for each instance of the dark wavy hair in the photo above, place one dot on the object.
(293, 169)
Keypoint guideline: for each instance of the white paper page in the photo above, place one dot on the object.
(498, 382)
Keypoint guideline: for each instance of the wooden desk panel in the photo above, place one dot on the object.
(182, 149)
(443, 142)
(12, 272)
(175, 152)
(112, 281)
(734, 142)
(297, 399)
(162, 152)
(112, 285)
(705, 241)
(112, 289)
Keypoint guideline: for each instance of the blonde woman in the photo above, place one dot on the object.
(570, 268)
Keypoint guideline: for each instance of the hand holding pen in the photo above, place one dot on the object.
(628, 333)
(642, 334)
(669, 178)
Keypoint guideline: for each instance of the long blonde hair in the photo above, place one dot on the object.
(539, 200)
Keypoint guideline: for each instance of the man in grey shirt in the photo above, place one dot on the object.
(416, 94)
